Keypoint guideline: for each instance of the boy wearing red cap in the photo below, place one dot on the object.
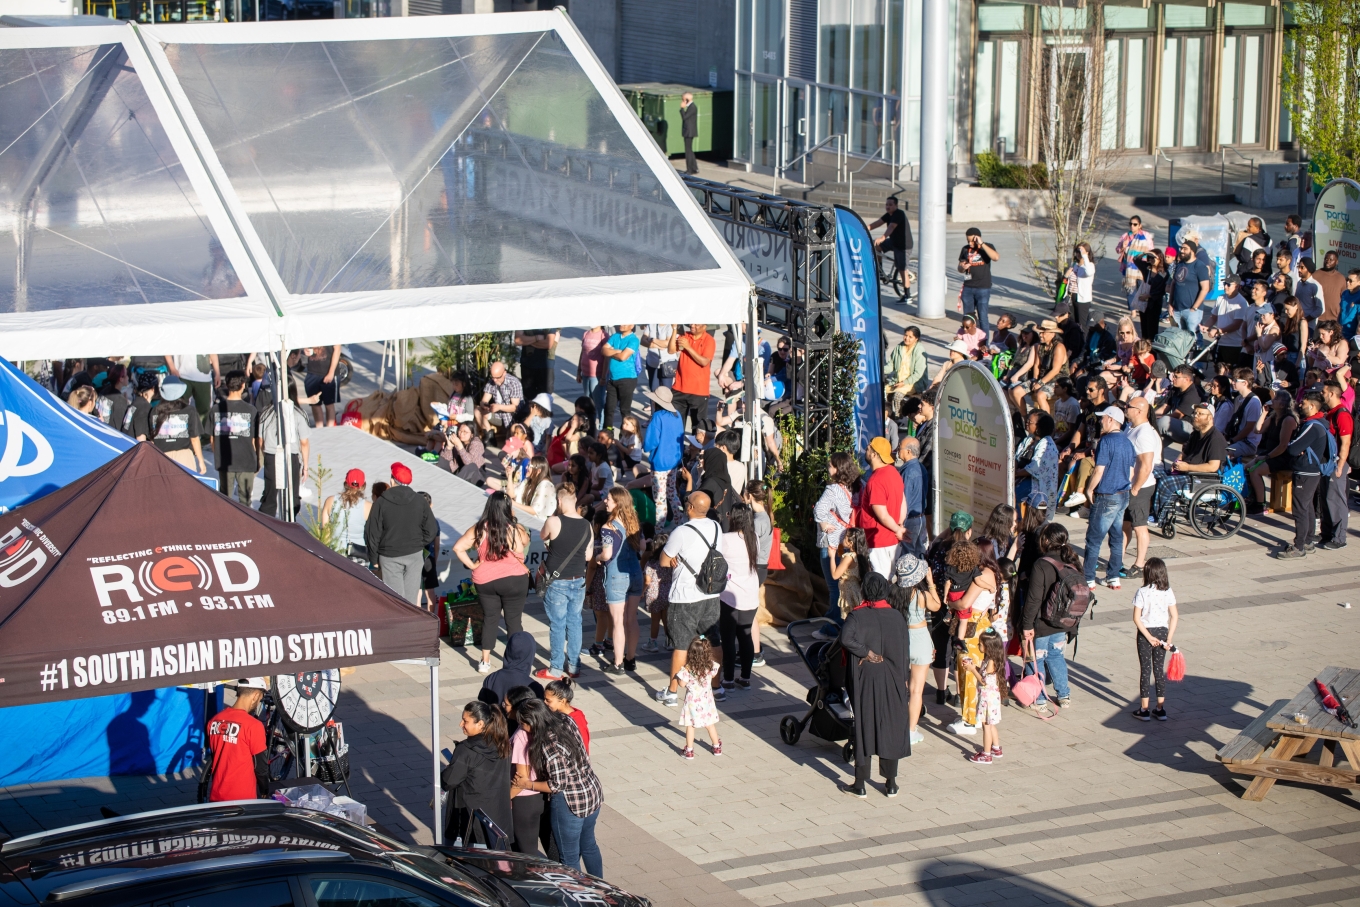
(399, 527)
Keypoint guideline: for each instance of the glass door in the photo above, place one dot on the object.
(1122, 94)
(766, 139)
(1239, 111)
(1178, 121)
(1067, 74)
(796, 122)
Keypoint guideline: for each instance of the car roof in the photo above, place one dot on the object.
(80, 860)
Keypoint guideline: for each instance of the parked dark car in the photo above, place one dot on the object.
(260, 853)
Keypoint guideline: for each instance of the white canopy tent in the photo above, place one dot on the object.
(215, 187)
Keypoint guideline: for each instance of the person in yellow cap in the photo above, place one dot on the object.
(882, 507)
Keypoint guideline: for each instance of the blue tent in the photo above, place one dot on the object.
(45, 444)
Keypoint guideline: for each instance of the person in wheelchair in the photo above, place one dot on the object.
(1203, 454)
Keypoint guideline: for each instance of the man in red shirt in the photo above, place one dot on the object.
(236, 741)
(689, 391)
(1337, 507)
(882, 507)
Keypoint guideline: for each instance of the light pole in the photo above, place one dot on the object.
(934, 149)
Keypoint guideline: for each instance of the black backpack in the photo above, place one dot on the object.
(1068, 599)
(711, 577)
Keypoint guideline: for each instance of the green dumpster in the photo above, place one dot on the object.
(658, 106)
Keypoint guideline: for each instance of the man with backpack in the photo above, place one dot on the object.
(1314, 452)
(1055, 601)
(698, 577)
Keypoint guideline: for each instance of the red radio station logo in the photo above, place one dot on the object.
(227, 571)
(20, 557)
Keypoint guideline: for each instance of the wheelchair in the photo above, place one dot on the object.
(1213, 505)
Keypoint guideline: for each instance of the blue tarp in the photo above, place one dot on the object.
(45, 444)
(151, 732)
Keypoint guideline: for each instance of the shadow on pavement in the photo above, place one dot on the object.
(950, 883)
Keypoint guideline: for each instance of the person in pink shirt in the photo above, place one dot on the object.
(972, 336)
(588, 366)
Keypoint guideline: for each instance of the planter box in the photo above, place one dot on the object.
(972, 204)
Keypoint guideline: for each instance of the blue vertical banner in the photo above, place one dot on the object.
(857, 291)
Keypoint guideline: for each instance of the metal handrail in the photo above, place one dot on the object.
(873, 158)
(1157, 159)
(1222, 167)
(841, 140)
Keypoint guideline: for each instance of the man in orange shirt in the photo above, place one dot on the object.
(689, 393)
(236, 743)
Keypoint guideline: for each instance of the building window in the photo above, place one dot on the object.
(770, 37)
(866, 123)
(867, 72)
(1000, 17)
(832, 113)
(1121, 121)
(996, 107)
(1182, 85)
(1127, 17)
(766, 124)
(835, 50)
(743, 125)
(744, 35)
(1240, 90)
(895, 48)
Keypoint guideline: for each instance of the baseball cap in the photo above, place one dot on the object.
(251, 683)
(961, 520)
(881, 447)
(1114, 413)
(402, 473)
(1207, 407)
(1062, 308)
(1158, 369)
(173, 388)
(355, 478)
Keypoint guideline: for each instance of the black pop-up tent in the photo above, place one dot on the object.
(138, 576)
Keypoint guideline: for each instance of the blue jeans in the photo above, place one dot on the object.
(915, 539)
(1048, 655)
(563, 606)
(833, 610)
(1188, 319)
(576, 837)
(1107, 521)
(976, 299)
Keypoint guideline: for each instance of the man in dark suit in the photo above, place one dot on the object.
(689, 130)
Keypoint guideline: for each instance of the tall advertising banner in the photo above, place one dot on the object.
(857, 289)
(1336, 224)
(974, 466)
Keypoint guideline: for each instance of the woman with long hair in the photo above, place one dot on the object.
(1294, 331)
(1081, 277)
(349, 512)
(833, 514)
(1153, 266)
(1045, 643)
(980, 600)
(499, 574)
(960, 530)
(558, 757)
(1281, 421)
(852, 566)
(621, 542)
(999, 533)
(914, 594)
(478, 774)
(535, 495)
(578, 474)
(740, 598)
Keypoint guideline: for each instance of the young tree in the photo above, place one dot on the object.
(1076, 170)
(1322, 84)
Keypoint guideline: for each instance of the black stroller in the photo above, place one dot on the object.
(830, 715)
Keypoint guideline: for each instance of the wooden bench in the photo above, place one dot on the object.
(1282, 491)
(1251, 743)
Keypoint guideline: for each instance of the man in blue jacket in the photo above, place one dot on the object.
(664, 445)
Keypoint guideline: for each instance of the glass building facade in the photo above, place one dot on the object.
(1188, 79)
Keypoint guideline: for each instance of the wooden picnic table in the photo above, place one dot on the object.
(1277, 747)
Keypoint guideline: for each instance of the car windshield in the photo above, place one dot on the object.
(445, 873)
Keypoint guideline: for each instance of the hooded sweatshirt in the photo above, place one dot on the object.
(480, 779)
(400, 523)
(519, 659)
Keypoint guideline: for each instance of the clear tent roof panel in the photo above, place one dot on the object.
(218, 187)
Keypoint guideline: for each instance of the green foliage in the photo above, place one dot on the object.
(993, 174)
(472, 353)
(795, 490)
(325, 533)
(1322, 87)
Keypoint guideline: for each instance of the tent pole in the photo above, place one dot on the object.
(755, 382)
(434, 747)
(282, 402)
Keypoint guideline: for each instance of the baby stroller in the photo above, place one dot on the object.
(1174, 346)
(831, 715)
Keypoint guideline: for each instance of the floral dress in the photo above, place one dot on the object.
(699, 710)
(989, 706)
(658, 587)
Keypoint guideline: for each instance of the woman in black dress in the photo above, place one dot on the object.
(875, 636)
(1153, 266)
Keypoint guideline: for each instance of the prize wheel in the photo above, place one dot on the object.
(307, 700)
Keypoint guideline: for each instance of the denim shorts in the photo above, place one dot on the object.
(618, 586)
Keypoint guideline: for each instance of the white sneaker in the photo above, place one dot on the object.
(917, 738)
(484, 667)
(963, 728)
(649, 646)
(1112, 582)
(666, 697)
(1075, 499)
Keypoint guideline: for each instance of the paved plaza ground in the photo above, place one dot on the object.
(1093, 808)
